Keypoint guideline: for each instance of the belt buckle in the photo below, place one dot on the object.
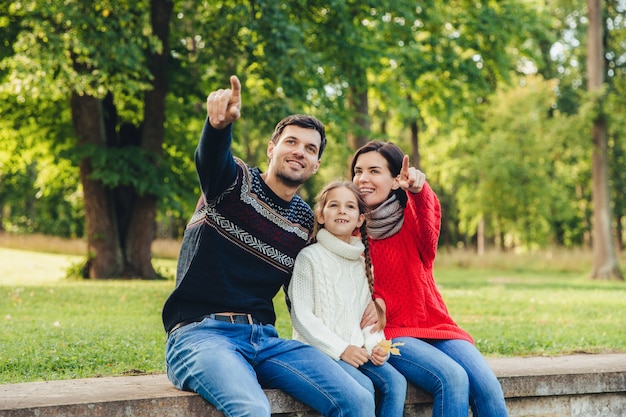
(247, 316)
(232, 316)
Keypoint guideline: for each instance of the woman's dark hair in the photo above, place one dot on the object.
(392, 154)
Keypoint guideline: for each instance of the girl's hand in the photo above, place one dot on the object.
(411, 178)
(355, 356)
(379, 355)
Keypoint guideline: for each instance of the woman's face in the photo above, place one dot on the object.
(373, 178)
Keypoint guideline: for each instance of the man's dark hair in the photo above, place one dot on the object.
(304, 121)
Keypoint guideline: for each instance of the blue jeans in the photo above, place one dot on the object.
(454, 373)
(230, 364)
(385, 382)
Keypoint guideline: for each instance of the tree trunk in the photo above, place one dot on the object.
(480, 237)
(605, 264)
(142, 226)
(415, 149)
(414, 140)
(105, 256)
(620, 232)
(359, 134)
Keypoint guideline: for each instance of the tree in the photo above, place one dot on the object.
(102, 58)
(433, 77)
(120, 219)
(605, 264)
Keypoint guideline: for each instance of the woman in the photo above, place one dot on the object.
(403, 229)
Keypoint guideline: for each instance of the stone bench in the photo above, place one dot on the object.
(572, 386)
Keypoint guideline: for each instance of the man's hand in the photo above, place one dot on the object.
(224, 105)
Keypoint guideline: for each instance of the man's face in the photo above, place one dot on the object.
(294, 158)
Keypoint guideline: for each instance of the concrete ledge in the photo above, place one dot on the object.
(573, 386)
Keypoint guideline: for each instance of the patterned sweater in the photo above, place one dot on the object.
(240, 245)
(329, 293)
(403, 274)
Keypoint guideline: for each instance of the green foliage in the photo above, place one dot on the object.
(91, 48)
(515, 156)
(129, 165)
(177, 169)
(520, 174)
(40, 192)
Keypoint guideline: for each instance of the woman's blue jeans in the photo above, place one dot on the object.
(230, 364)
(455, 373)
(385, 382)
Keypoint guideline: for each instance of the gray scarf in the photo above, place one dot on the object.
(386, 219)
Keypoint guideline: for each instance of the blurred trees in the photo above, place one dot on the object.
(103, 101)
(105, 62)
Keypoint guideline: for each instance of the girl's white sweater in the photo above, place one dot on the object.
(329, 293)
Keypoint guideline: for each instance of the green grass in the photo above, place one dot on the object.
(518, 313)
(60, 329)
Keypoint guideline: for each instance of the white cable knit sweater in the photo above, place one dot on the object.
(329, 293)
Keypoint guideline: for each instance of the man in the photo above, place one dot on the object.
(238, 250)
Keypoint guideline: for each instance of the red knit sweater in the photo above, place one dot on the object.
(403, 271)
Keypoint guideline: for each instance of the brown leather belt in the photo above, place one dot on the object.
(234, 318)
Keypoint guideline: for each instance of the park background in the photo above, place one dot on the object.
(515, 110)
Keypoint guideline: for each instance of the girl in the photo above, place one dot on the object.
(330, 288)
(403, 227)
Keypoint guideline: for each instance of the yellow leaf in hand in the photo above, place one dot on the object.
(390, 347)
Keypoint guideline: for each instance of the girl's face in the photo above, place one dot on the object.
(340, 215)
(373, 178)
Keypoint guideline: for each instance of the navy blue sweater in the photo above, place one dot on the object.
(239, 246)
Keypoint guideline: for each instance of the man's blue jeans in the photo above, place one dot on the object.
(230, 364)
(455, 373)
(385, 382)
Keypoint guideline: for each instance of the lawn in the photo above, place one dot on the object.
(55, 328)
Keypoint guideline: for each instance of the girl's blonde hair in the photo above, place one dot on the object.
(320, 203)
